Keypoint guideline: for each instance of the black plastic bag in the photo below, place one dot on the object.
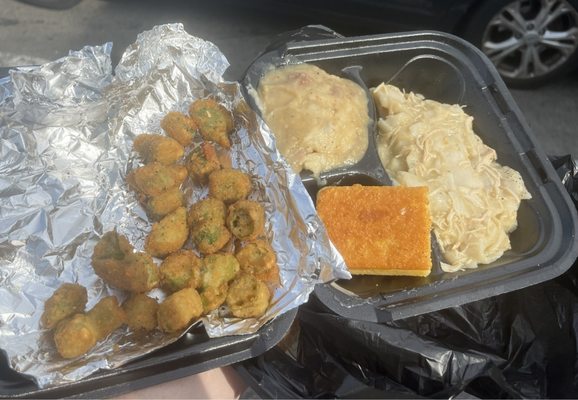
(521, 344)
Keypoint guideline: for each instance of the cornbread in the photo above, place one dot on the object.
(379, 230)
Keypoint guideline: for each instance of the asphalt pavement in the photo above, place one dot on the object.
(31, 35)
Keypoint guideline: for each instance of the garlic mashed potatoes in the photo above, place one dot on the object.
(320, 121)
(473, 199)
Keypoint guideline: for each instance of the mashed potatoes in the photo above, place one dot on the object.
(473, 199)
(320, 121)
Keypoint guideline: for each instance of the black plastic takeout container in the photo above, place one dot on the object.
(193, 353)
(445, 68)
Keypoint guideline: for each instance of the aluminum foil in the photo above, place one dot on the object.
(66, 133)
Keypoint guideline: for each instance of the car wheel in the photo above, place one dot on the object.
(53, 4)
(529, 41)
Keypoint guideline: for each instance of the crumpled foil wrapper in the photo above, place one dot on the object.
(66, 133)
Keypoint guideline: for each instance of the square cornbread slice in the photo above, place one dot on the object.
(379, 230)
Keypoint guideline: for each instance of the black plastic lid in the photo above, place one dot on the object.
(194, 353)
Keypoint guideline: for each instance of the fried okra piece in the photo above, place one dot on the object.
(165, 203)
(210, 237)
(168, 235)
(115, 262)
(75, 336)
(154, 178)
(67, 300)
(248, 297)
(158, 148)
(229, 185)
(258, 259)
(214, 297)
(202, 161)
(208, 210)
(217, 270)
(207, 218)
(179, 310)
(106, 316)
(179, 127)
(214, 121)
(180, 270)
(141, 312)
(80, 333)
(246, 219)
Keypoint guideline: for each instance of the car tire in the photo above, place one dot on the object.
(53, 4)
(527, 52)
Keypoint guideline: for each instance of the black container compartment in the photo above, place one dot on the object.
(447, 69)
(193, 353)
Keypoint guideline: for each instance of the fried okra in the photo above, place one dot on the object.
(202, 161)
(217, 270)
(179, 127)
(115, 262)
(248, 297)
(180, 270)
(246, 219)
(210, 237)
(80, 333)
(165, 203)
(67, 300)
(106, 316)
(141, 312)
(168, 235)
(258, 259)
(229, 185)
(75, 336)
(154, 178)
(214, 121)
(208, 210)
(158, 148)
(179, 310)
(213, 297)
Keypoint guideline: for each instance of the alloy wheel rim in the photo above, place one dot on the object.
(531, 38)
